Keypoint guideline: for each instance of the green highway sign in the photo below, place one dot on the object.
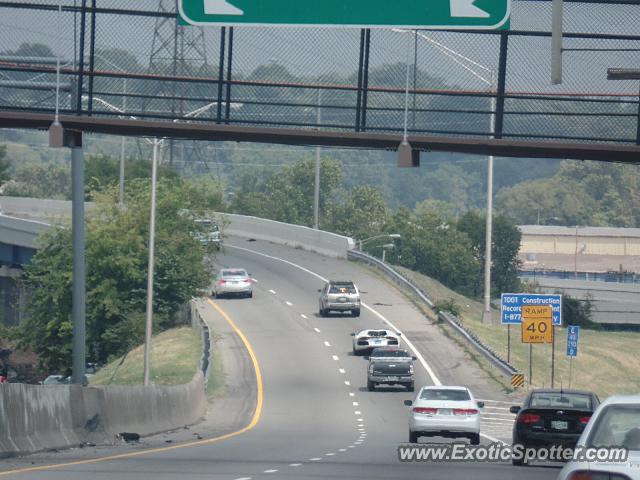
(433, 14)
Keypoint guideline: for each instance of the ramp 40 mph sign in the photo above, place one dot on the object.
(449, 14)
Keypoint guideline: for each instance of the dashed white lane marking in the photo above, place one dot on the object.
(295, 464)
(361, 425)
(335, 357)
(303, 316)
(316, 329)
(351, 446)
(351, 394)
(342, 370)
(355, 404)
(244, 478)
(360, 420)
(423, 362)
(329, 454)
(289, 304)
(342, 450)
(272, 291)
(327, 344)
(273, 470)
(315, 459)
(357, 412)
(347, 383)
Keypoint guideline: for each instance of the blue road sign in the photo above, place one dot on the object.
(573, 334)
(511, 306)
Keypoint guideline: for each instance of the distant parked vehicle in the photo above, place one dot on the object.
(339, 296)
(210, 234)
(552, 417)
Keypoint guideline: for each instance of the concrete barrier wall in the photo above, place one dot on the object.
(324, 243)
(35, 418)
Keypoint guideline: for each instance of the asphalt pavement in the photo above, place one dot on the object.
(296, 404)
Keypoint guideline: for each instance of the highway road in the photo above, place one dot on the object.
(296, 404)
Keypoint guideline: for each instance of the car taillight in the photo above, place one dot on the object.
(584, 420)
(465, 411)
(221, 282)
(528, 418)
(248, 280)
(425, 410)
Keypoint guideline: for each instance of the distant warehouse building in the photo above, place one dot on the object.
(542, 239)
(581, 249)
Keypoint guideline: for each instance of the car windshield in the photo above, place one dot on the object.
(380, 352)
(564, 400)
(445, 394)
(234, 273)
(617, 426)
(342, 288)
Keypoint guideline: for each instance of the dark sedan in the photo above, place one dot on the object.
(551, 417)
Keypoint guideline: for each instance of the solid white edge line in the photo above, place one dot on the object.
(423, 362)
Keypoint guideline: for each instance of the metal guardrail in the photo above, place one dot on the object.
(505, 368)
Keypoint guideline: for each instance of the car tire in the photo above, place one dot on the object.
(250, 295)
(323, 312)
(355, 352)
(371, 386)
(475, 439)
(410, 387)
(413, 437)
(355, 313)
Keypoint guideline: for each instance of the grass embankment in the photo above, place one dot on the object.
(175, 357)
(607, 362)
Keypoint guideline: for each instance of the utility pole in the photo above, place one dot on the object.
(316, 189)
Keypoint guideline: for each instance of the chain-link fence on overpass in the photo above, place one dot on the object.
(132, 59)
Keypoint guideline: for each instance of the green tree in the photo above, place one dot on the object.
(116, 256)
(41, 180)
(363, 213)
(504, 249)
(4, 166)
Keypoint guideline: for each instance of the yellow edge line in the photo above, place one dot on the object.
(254, 421)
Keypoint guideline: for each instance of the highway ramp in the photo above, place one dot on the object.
(317, 420)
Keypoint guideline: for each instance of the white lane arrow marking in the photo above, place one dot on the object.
(467, 9)
(220, 7)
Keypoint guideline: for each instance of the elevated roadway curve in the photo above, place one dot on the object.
(315, 419)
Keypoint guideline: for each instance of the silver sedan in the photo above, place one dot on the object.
(233, 281)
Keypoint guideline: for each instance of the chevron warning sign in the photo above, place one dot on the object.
(517, 380)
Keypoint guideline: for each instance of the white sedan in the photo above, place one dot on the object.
(612, 429)
(442, 411)
(367, 340)
(233, 281)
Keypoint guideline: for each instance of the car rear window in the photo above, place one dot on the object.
(234, 273)
(379, 352)
(342, 288)
(564, 400)
(445, 394)
(617, 426)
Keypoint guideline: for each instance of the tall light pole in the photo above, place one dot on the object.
(384, 235)
(465, 62)
(152, 238)
(316, 187)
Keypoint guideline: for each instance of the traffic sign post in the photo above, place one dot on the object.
(573, 335)
(443, 14)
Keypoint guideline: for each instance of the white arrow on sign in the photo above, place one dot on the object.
(221, 7)
(467, 9)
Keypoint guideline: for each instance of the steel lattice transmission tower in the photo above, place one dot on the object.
(176, 51)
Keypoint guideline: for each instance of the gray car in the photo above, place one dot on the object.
(233, 281)
(339, 296)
